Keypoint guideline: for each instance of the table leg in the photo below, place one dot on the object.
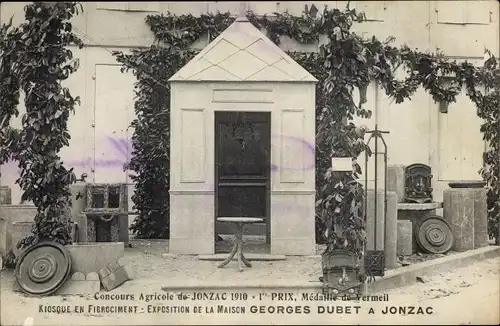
(237, 250)
(239, 241)
(240, 265)
(243, 258)
(245, 261)
(231, 255)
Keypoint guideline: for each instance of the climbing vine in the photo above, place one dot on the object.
(346, 64)
(151, 138)
(9, 91)
(35, 58)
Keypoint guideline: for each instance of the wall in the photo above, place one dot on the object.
(419, 133)
(100, 134)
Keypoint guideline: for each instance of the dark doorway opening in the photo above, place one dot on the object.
(242, 177)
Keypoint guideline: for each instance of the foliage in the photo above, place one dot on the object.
(346, 64)
(9, 91)
(151, 139)
(38, 60)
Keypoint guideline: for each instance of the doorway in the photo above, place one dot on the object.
(242, 176)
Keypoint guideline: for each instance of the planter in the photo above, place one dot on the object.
(467, 184)
(92, 256)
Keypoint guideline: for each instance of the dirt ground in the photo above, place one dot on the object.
(147, 264)
(463, 296)
(151, 260)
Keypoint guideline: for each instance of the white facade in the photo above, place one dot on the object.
(242, 70)
(450, 143)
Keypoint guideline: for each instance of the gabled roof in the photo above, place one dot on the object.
(242, 53)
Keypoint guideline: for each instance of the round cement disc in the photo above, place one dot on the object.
(433, 234)
(43, 268)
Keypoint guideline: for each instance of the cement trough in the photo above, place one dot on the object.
(90, 257)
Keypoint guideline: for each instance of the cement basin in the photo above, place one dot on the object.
(18, 213)
(88, 257)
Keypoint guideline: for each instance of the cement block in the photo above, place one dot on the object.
(104, 272)
(5, 195)
(405, 238)
(415, 215)
(91, 257)
(481, 236)
(92, 277)
(78, 276)
(458, 210)
(122, 262)
(396, 181)
(129, 269)
(114, 266)
(391, 234)
(375, 222)
(115, 275)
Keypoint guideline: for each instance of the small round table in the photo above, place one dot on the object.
(238, 240)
